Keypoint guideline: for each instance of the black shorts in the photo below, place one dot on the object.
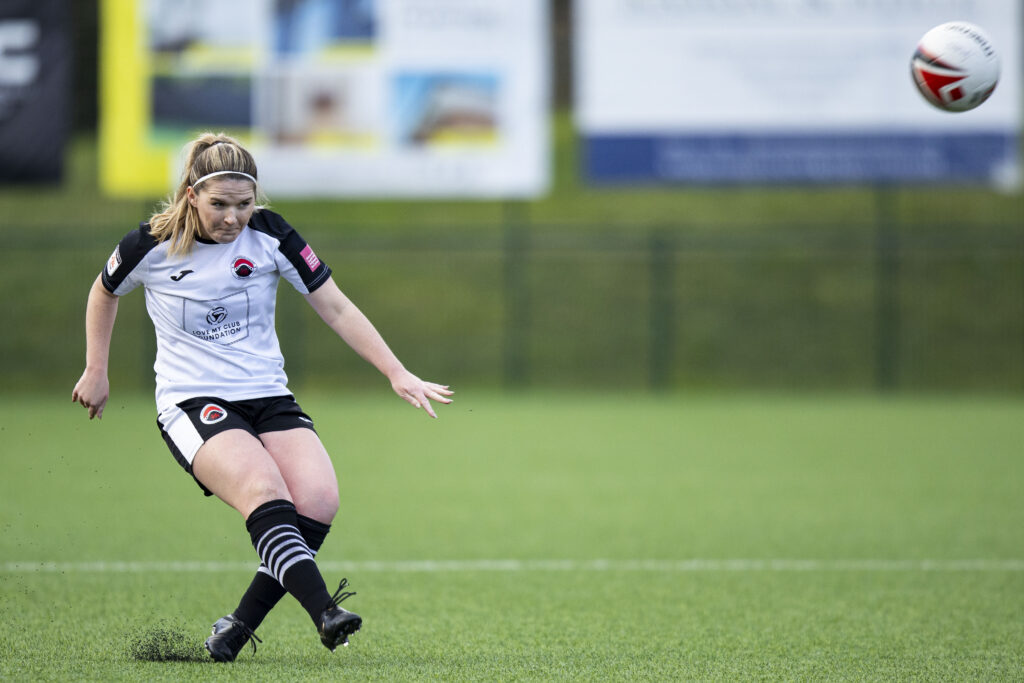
(188, 425)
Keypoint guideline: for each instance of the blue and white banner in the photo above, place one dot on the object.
(793, 91)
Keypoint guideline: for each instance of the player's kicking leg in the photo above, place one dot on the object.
(288, 436)
(230, 633)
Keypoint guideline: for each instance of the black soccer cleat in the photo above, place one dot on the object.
(230, 634)
(336, 624)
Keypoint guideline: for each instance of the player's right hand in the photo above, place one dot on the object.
(92, 391)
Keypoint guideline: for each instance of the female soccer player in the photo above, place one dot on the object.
(210, 263)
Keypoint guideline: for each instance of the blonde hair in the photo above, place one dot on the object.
(178, 220)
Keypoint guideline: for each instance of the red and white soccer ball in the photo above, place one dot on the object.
(955, 66)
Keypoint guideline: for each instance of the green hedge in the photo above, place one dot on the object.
(585, 315)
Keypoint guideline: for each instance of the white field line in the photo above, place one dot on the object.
(664, 566)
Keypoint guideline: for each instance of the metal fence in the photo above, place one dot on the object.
(541, 306)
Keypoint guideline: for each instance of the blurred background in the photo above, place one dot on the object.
(532, 194)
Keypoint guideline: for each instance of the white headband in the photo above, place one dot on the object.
(216, 173)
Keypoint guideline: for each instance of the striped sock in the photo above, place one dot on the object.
(273, 528)
(265, 591)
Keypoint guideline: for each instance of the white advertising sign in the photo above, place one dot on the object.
(339, 97)
(785, 90)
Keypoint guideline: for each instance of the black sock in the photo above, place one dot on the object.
(265, 592)
(273, 528)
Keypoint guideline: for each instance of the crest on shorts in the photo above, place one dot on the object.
(212, 414)
(243, 267)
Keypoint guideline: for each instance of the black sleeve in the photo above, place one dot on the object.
(293, 247)
(129, 252)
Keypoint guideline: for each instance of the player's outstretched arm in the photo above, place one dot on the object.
(342, 316)
(93, 388)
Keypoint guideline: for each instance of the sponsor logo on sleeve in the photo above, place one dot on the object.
(212, 414)
(310, 258)
(114, 261)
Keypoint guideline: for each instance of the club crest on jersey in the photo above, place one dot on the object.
(243, 267)
(212, 414)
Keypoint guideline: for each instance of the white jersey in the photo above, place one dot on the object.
(213, 310)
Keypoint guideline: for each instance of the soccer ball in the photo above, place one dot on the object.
(955, 66)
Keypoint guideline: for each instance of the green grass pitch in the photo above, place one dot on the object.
(543, 537)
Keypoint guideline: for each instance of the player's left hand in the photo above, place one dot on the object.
(418, 393)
